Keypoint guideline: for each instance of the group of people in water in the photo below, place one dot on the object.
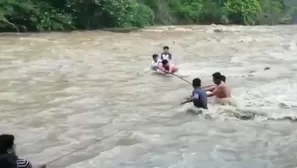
(163, 63)
(199, 97)
(220, 90)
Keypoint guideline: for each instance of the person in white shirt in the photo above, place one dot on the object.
(155, 62)
(166, 55)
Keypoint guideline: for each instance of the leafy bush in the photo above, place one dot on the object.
(140, 15)
(47, 15)
(23, 15)
(243, 11)
(110, 13)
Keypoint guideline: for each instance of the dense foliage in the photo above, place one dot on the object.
(47, 15)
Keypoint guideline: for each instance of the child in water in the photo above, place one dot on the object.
(166, 55)
(167, 67)
(155, 62)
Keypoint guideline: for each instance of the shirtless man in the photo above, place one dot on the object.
(210, 88)
(222, 91)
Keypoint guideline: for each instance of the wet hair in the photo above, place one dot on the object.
(6, 142)
(164, 62)
(217, 75)
(165, 48)
(155, 56)
(223, 78)
(196, 82)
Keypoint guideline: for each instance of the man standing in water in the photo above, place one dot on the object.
(210, 88)
(199, 96)
(222, 92)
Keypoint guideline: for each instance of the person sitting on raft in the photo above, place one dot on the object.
(222, 91)
(155, 62)
(199, 96)
(166, 55)
(166, 67)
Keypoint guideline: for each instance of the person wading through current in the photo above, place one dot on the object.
(199, 96)
(210, 88)
(7, 152)
(222, 91)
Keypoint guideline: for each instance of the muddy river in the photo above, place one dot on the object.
(92, 93)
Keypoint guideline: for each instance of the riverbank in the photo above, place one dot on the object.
(64, 16)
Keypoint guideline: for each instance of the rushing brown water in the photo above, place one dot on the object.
(61, 92)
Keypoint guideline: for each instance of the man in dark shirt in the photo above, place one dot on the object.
(199, 96)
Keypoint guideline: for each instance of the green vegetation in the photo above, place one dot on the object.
(65, 15)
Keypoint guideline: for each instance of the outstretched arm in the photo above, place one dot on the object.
(191, 99)
(209, 87)
(214, 92)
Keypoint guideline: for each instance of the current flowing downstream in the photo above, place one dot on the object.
(62, 91)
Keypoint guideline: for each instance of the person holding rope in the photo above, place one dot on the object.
(221, 91)
(199, 96)
(210, 88)
(8, 155)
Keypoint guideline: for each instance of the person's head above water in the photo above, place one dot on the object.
(165, 63)
(216, 78)
(165, 48)
(155, 57)
(223, 78)
(6, 143)
(196, 83)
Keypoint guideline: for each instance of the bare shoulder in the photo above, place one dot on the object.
(221, 86)
(224, 85)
